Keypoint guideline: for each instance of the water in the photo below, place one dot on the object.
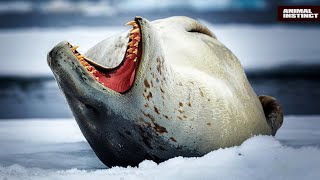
(41, 98)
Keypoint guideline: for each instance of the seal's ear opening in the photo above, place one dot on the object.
(272, 111)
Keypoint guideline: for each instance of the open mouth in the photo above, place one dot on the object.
(121, 77)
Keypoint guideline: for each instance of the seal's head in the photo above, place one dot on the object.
(100, 85)
(162, 89)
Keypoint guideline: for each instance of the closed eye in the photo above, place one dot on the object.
(199, 28)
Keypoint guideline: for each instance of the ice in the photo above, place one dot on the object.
(15, 6)
(31, 46)
(260, 47)
(108, 7)
(256, 46)
(293, 154)
(97, 8)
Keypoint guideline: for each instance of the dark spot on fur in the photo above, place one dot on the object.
(148, 124)
(184, 116)
(173, 139)
(160, 129)
(180, 104)
(208, 99)
(149, 116)
(128, 132)
(239, 154)
(146, 83)
(146, 105)
(146, 142)
(156, 110)
(209, 124)
(181, 111)
(161, 90)
(145, 138)
(180, 117)
(156, 127)
(149, 95)
(201, 93)
(159, 69)
(166, 116)
(189, 104)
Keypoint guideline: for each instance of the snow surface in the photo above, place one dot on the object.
(293, 154)
(255, 46)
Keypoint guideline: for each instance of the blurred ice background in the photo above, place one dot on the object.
(280, 59)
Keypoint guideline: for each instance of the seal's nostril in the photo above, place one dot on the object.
(52, 56)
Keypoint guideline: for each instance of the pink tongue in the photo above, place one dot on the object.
(120, 80)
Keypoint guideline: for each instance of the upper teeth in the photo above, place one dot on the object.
(80, 56)
(136, 30)
(132, 23)
(134, 41)
(74, 48)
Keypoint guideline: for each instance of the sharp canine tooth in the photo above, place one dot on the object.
(136, 44)
(135, 60)
(130, 50)
(130, 56)
(97, 78)
(80, 56)
(135, 51)
(130, 43)
(132, 23)
(74, 48)
(137, 30)
(137, 38)
(131, 36)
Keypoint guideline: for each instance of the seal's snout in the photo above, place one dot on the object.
(55, 54)
(273, 112)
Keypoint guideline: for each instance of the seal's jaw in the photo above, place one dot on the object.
(121, 77)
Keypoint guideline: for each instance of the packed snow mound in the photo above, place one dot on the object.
(260, 157)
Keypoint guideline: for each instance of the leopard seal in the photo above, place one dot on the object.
(162, 89)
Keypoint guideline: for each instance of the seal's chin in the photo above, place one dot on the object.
(121, 77)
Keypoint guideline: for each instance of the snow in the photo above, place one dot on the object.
(255, 46)
(293, 154)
